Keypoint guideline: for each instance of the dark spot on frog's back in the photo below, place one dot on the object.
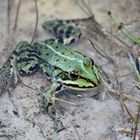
(57, 60)
(56, 47)
(61, 31)
(47, 54)
(71, 53)
(37, 46)
(55, 28)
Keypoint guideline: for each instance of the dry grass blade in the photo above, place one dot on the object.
(128, 47)
(84, 7)
(134, 66)
(101, 52)
(136, 123)
(9, 8)
(65, 101)
(17, 15)
(128, 112)
(36, 23)
(120, 95)
(29, 87)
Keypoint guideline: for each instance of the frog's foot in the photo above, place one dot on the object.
(58, 124)
(49, 100)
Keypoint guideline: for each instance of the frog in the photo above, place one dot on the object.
(65, 68)
(54, 51)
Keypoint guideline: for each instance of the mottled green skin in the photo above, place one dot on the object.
(9, 72)
(61, 61)
(21, 62)
(27, 59)
(64, 31)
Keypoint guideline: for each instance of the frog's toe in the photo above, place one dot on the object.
(51, 110)
(58, 124)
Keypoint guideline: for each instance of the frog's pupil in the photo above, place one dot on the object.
(74, 75)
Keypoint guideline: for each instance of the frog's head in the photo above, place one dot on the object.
(82, 75)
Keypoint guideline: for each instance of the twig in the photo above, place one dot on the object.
(29, 87)
(65, 101)
(136, 123)
(17, 15)
(78, 136)
(83, 6)
(125, 44)
(128, 112)
(9, 7)
(36, 24)
(134, 66)
(115, 64)
(117, 93)
(89, 11)
(101, 52)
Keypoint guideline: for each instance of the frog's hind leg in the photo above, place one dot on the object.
(64, 31)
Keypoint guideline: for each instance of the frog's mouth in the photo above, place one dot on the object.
(75, 87)
(79, 84)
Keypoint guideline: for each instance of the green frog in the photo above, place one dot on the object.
(63, 66)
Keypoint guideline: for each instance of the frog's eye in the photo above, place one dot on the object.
(74, 75)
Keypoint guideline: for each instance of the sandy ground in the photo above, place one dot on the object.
(23, 116)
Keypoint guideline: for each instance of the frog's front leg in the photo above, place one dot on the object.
(49, 94)
(49, 100)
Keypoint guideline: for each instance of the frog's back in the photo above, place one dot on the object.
(59, 55)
